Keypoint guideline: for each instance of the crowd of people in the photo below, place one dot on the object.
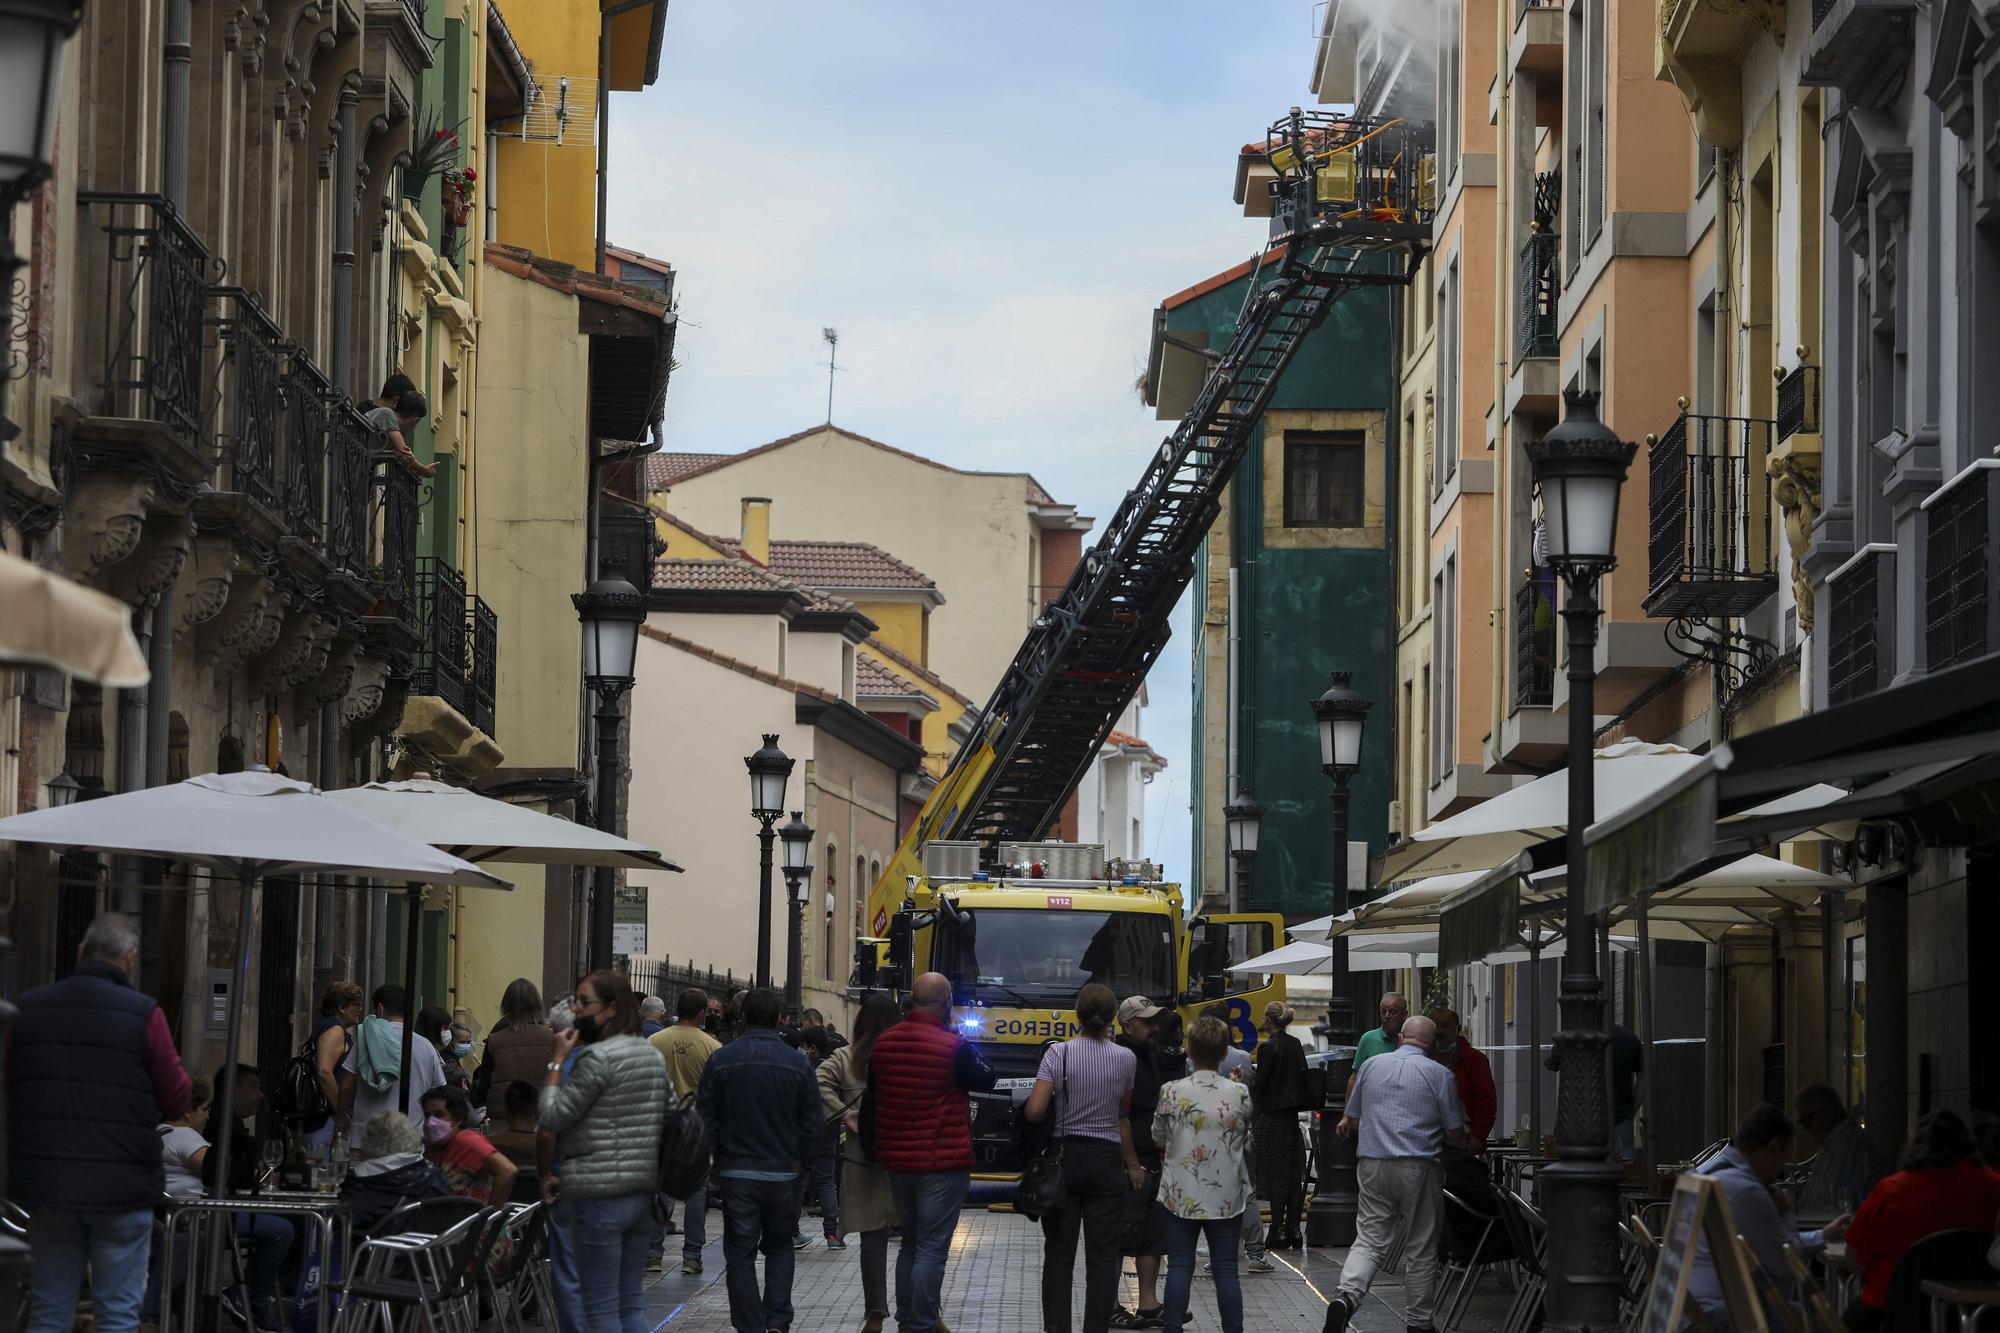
(1166, 1141)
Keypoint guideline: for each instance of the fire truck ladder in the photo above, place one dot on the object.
(1342, 222)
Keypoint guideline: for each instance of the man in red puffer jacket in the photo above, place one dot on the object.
(918, 1076)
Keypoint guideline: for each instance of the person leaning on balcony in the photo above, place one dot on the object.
(396, 413)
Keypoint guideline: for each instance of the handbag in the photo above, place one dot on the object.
(298, 1095)
(1044, 1189)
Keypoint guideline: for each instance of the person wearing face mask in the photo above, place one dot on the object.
(606, 1114)
(472, 1166)
(1474, 1074)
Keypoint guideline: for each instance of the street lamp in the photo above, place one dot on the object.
(63, 790)
(1342, 717)
(611, 611)
(770, 769)
(1580, 466)
(797, 836)
(1244, 818)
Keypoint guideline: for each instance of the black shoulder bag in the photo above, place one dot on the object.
(1044, 1190)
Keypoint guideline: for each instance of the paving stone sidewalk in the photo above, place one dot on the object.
(993, 1285)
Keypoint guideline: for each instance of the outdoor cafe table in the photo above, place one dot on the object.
(1842, 1276)
(328, 1214)
(1970, 1299)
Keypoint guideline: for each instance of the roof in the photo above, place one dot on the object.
(664, 469)
(741, 668)
(738, 574)
(725, 545)
(1125, 740)
(875, 680)
(922, 673)
(569, 278)
(1222, 279)
(844, 565)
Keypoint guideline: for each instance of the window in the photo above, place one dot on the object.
(1324, 480)
(1444, 652)
(1450, 75)
(1447, 381)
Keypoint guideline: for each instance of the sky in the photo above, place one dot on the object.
(986, 201)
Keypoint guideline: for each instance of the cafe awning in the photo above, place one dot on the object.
(49, 621)
(1933, 758)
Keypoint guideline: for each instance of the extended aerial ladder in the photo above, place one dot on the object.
(1352, 203)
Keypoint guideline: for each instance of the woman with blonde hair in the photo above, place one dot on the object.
(1278, 1089)
(1203, 1129)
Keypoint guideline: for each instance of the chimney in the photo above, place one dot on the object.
(757, 528)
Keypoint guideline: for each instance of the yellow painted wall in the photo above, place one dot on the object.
(900, 625)
(938, 745)
(548, 194)
(680, 546)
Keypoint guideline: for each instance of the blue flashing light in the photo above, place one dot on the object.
(970, 1023)
(981, 877)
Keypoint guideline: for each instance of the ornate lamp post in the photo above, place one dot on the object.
(1244, 818)
(1580, 466)
(796, 836)
(611, 611)
(1342, 718)
(770, 769)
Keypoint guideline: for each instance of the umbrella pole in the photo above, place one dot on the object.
(412, 932)
(226, 1094)
(1535, 1037)
(1647, 1153)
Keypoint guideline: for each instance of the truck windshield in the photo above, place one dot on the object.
(1015, 954)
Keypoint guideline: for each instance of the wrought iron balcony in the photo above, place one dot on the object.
(1535, 642)
(1959, 572)
(1862, 612)
(441, 667)
(140, 318)
(1798, 403)
(249, 397)
(309, 412)
(1708, 541)
(394, 570)
(458, 656)
(1862, 47)
(350, 536)
(485, 682)
(1535, 293)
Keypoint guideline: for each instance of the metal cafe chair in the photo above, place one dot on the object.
(1459, 1274)
(442, 1284)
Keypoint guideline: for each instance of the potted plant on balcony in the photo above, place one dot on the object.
(460, 184)
(433, 149)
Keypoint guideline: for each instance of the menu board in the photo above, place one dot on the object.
(1699, 1212)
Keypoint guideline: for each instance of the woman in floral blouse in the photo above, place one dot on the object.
(1203, 1129)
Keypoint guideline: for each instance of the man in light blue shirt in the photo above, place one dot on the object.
(1748, 1171)
(1405, 1107)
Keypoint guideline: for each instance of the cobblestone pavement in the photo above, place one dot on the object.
(992, 1285)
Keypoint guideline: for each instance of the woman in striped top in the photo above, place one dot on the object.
(1088, 1082)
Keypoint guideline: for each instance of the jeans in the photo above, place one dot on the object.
(267, 1242)
(1223, 1235)
(112, 1245)
(1392, 1188)
(694, 1222)
(875, 1272)
(759, 1216)
(609, 1238)
(927, 1208)
(562, 1274)
(1094, 1170)
(824, 1178)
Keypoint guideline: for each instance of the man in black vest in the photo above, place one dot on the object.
(91, 1071)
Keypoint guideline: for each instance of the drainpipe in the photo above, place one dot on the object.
(176, 74)
(346, 167)
(1234, 723)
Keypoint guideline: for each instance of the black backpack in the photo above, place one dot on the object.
(684, 1155)
(298, 1095)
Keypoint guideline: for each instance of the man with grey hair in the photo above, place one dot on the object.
(652, 1016)
(1405, 1109)
(92, 1072)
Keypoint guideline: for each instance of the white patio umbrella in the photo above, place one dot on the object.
(1510, 823)
(480, 828)
(1407, 903)
(1291, 960)
(247, 826)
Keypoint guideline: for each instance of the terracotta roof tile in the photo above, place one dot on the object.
(1222, 279)
(905, 663)
(726, 545)
(1127, 741)
(717, 576)
(664, 469)
(844, 565)
(873, 678)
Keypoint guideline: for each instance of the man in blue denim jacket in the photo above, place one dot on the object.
(761, 1105)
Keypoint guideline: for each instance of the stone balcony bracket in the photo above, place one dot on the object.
(1702, 46)
(203, 588)
(434, 735)
(1794, 470)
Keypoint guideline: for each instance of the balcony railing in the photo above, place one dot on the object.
(141, 318)
(485, 683)
(1708, 542)
(350, 539)
(1536, 292)
(397, 503)
(1798, 403)
(309, 411)
(1861, 605)
(441, 623)
(249, 397)
(1959, 572)
(1535, 642)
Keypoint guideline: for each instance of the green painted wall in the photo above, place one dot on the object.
(1304, 614)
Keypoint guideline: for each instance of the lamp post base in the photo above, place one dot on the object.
(1581, 1196)
(1336, 1200)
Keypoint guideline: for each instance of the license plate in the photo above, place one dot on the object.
(1013, 1084)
